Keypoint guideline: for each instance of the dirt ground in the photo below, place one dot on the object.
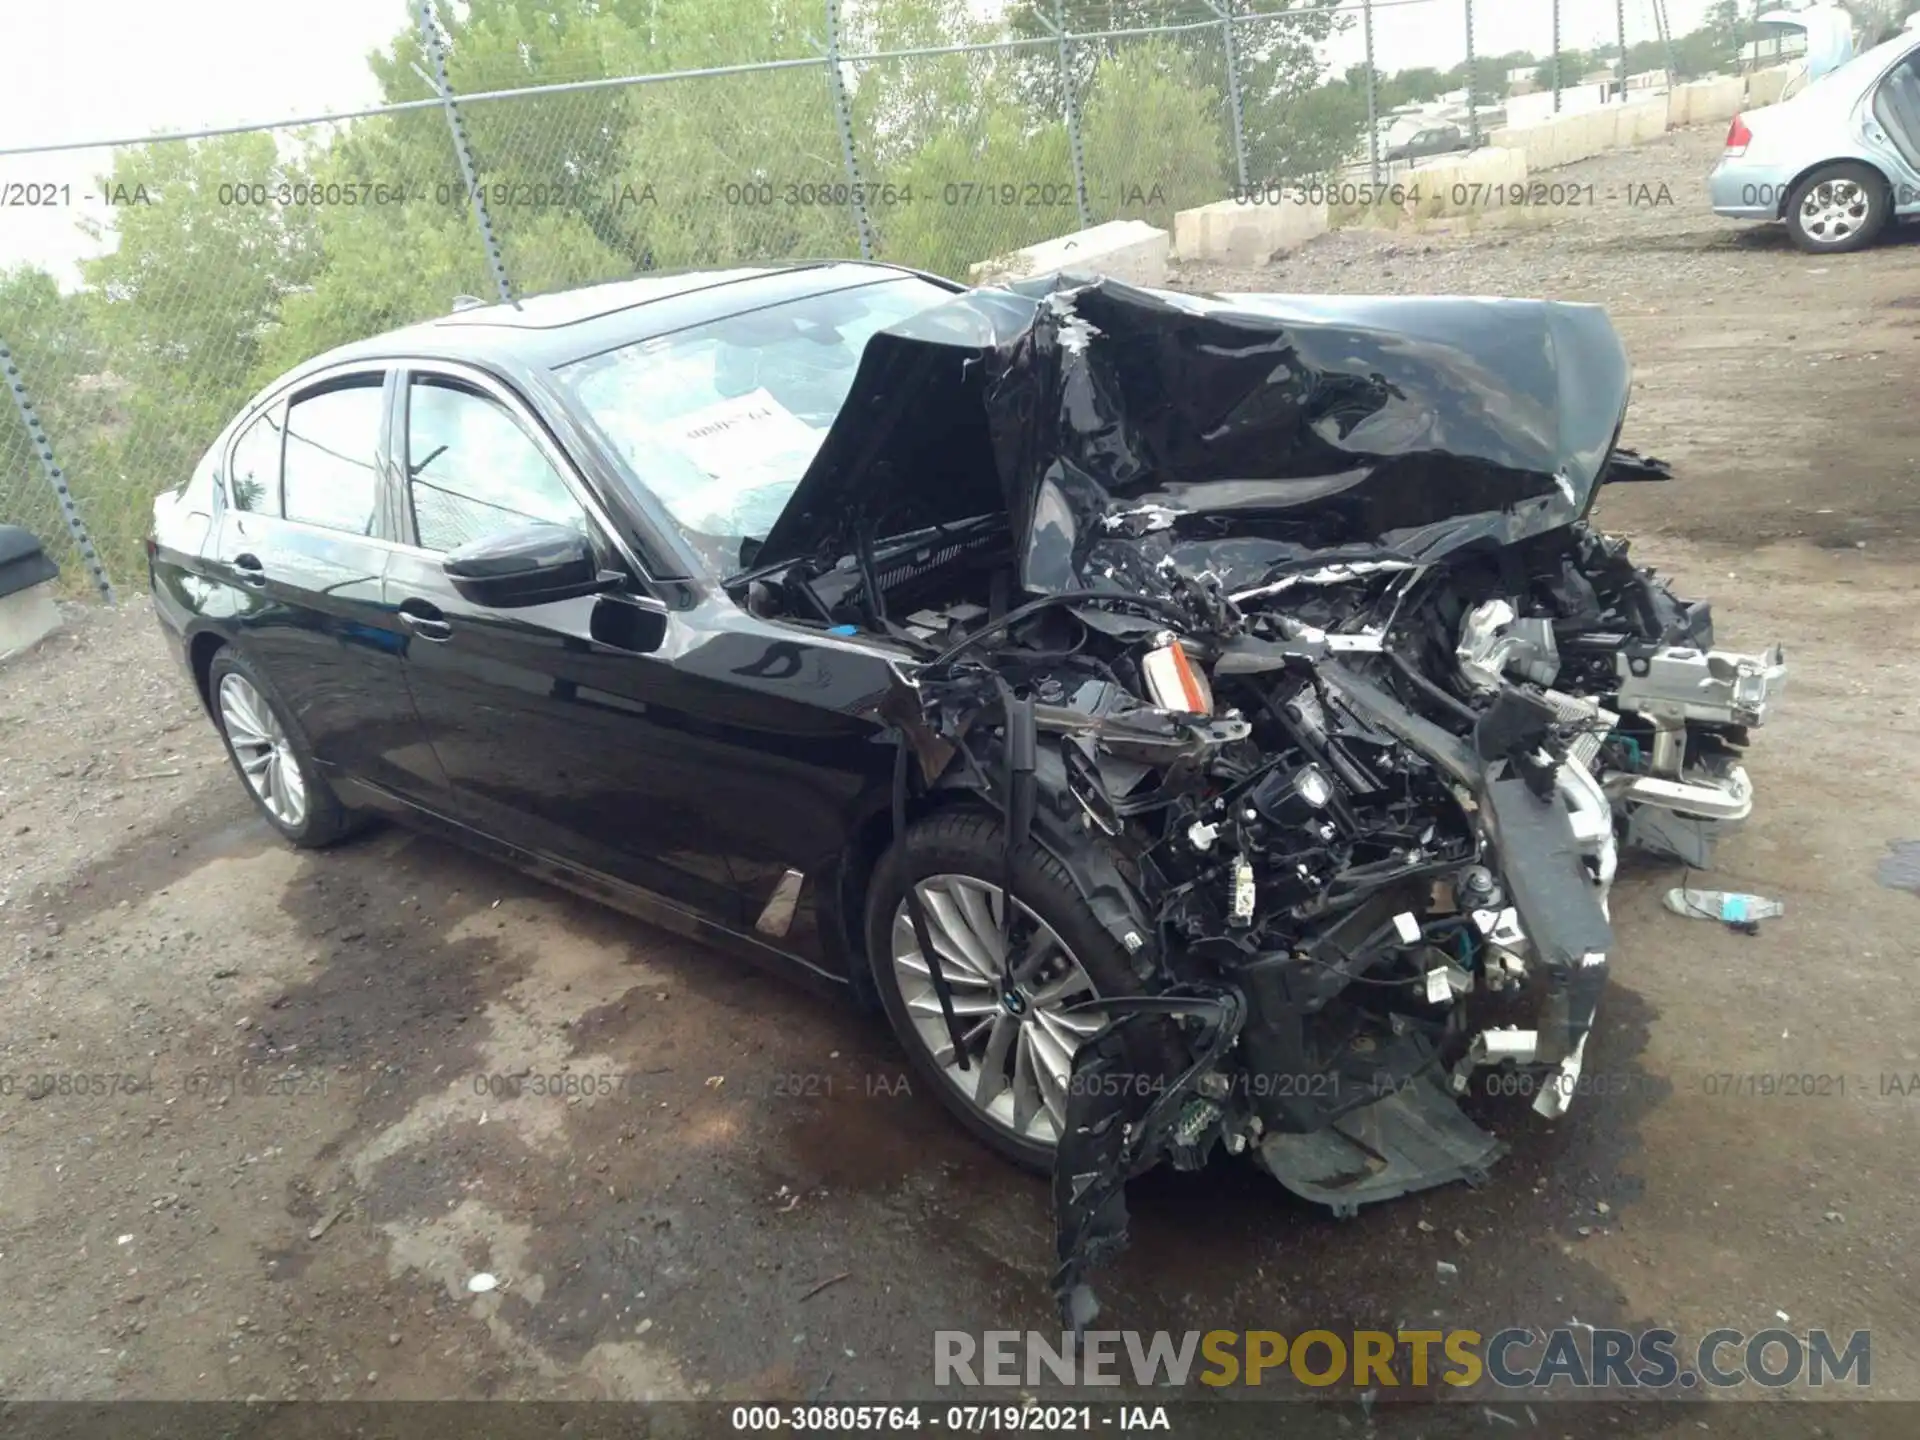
(297, 1110)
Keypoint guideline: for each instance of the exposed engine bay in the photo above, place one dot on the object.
(1287, 619)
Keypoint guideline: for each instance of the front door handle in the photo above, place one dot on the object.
(425, 619)
(248, 570)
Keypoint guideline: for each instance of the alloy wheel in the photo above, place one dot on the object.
(1019, 1044)
(260, 744)
(1835, 210)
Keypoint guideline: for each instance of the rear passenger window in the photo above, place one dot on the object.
(333, 440)
(253, 477)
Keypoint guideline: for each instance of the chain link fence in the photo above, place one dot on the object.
(591, 148)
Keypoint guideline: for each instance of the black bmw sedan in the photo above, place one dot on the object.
(469, 575)
(1195, 720)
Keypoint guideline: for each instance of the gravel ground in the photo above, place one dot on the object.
(278, 1156)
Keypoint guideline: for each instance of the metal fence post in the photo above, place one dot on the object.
(56, 477)
(1556, 57)
(1373, 95)
(843, 115)
(430, 36)
(1666, 39)
(1620, 17)
(1473, 108)
(1235, 111)
(1070, 102)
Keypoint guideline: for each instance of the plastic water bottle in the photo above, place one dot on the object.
(1725, 905)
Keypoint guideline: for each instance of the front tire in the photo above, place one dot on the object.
(272, 757)
(1019, 1043)
(1838, 209)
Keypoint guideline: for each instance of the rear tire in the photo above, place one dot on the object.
(271, 756)
(1838, 209)
(957, 858)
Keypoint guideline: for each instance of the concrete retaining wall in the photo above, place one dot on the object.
(1461, 184)
(1706, 101)
(1568, 138)
(1234, 232)
(1128, 250)
(1579, 136)
(1764, 87)
(1639, 121)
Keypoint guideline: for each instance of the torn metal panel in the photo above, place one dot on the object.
(1122, 427)
(1280, 429)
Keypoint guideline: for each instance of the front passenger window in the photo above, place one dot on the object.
(471, 469)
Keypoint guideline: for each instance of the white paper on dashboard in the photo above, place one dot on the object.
(746, 440)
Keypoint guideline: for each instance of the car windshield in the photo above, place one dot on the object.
(720, 421)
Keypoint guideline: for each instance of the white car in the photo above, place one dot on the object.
(1836, 162)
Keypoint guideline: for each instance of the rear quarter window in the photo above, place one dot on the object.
(253, 472)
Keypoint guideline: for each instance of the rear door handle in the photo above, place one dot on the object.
(248, 570)
(425, 619)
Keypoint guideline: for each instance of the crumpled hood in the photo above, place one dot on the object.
(1243, 434)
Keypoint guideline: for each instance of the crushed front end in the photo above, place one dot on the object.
(1297, 635)
(1371, 822)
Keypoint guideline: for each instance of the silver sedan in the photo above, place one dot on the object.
(1836, 162)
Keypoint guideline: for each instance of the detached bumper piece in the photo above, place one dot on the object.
(1413, 1139)
(1689, 790)
(1130, 1106)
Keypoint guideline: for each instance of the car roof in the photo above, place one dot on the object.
(544, 331)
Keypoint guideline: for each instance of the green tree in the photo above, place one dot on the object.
(46, 329)
(1728, 28)
(1317, 132)
(1152, 135)
(1294, 132)
(1574, 64)
(202, 257)
(198, 274)
(599, 184)
(971, 193)
(59, 360)
(1489, 75)
(1412, 87)
(1279, 60)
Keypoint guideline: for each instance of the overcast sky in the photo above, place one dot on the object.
(108, 69)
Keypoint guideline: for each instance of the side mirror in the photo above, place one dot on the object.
(530, 564)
